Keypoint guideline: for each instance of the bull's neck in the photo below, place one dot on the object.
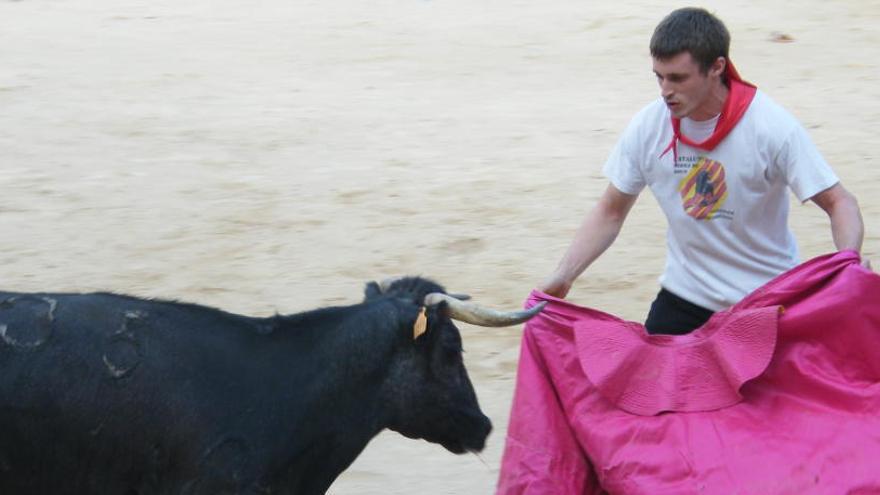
(317, 466)
(344, 362)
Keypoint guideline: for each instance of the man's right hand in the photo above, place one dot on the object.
(556, 286)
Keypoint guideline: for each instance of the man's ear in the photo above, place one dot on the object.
(718, 67)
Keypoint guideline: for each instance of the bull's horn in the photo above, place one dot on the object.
(484, 317)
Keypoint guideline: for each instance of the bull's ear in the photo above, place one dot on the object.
(442, 310)
(372, 290)
(420, 326)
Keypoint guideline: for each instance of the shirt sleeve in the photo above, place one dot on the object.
(805, 170)
(623, 167)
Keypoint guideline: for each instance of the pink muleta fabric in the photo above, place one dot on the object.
(779, 394)
(648, 374)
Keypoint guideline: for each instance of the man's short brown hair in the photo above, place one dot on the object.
(691, 30)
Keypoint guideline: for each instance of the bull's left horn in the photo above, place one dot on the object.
(478, 315)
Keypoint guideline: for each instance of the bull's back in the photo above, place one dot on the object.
(100, 393)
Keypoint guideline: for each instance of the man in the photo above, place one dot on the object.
(719, 156)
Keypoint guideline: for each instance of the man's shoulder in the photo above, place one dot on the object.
(766, 109)
(651, 116)
(655, 111)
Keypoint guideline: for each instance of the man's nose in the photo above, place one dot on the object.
(666, 90)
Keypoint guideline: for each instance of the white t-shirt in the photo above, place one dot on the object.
(727, 208)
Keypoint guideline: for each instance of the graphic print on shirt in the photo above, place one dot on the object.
(704, 189)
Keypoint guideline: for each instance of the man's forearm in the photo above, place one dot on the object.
(595, 235)
(598, 230)
(847, 227)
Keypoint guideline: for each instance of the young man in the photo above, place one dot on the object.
(719, 156)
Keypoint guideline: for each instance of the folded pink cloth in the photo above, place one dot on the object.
(778, 394)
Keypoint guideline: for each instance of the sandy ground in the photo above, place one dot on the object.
(274, 155)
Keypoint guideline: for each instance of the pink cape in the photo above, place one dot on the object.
(778, 394)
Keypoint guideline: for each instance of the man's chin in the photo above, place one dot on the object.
(679, 112)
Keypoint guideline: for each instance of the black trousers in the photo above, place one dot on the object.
(673, 315)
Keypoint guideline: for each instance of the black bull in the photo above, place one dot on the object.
(110, 394)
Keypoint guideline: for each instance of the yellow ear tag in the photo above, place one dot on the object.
(421, 324)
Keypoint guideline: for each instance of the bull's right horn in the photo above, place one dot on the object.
(478, 315)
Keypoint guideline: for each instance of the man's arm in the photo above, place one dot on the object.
(595, 235)
(847, 228)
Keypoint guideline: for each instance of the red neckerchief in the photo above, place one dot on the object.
(738, 99)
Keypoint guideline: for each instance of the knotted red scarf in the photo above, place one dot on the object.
(738, 100)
